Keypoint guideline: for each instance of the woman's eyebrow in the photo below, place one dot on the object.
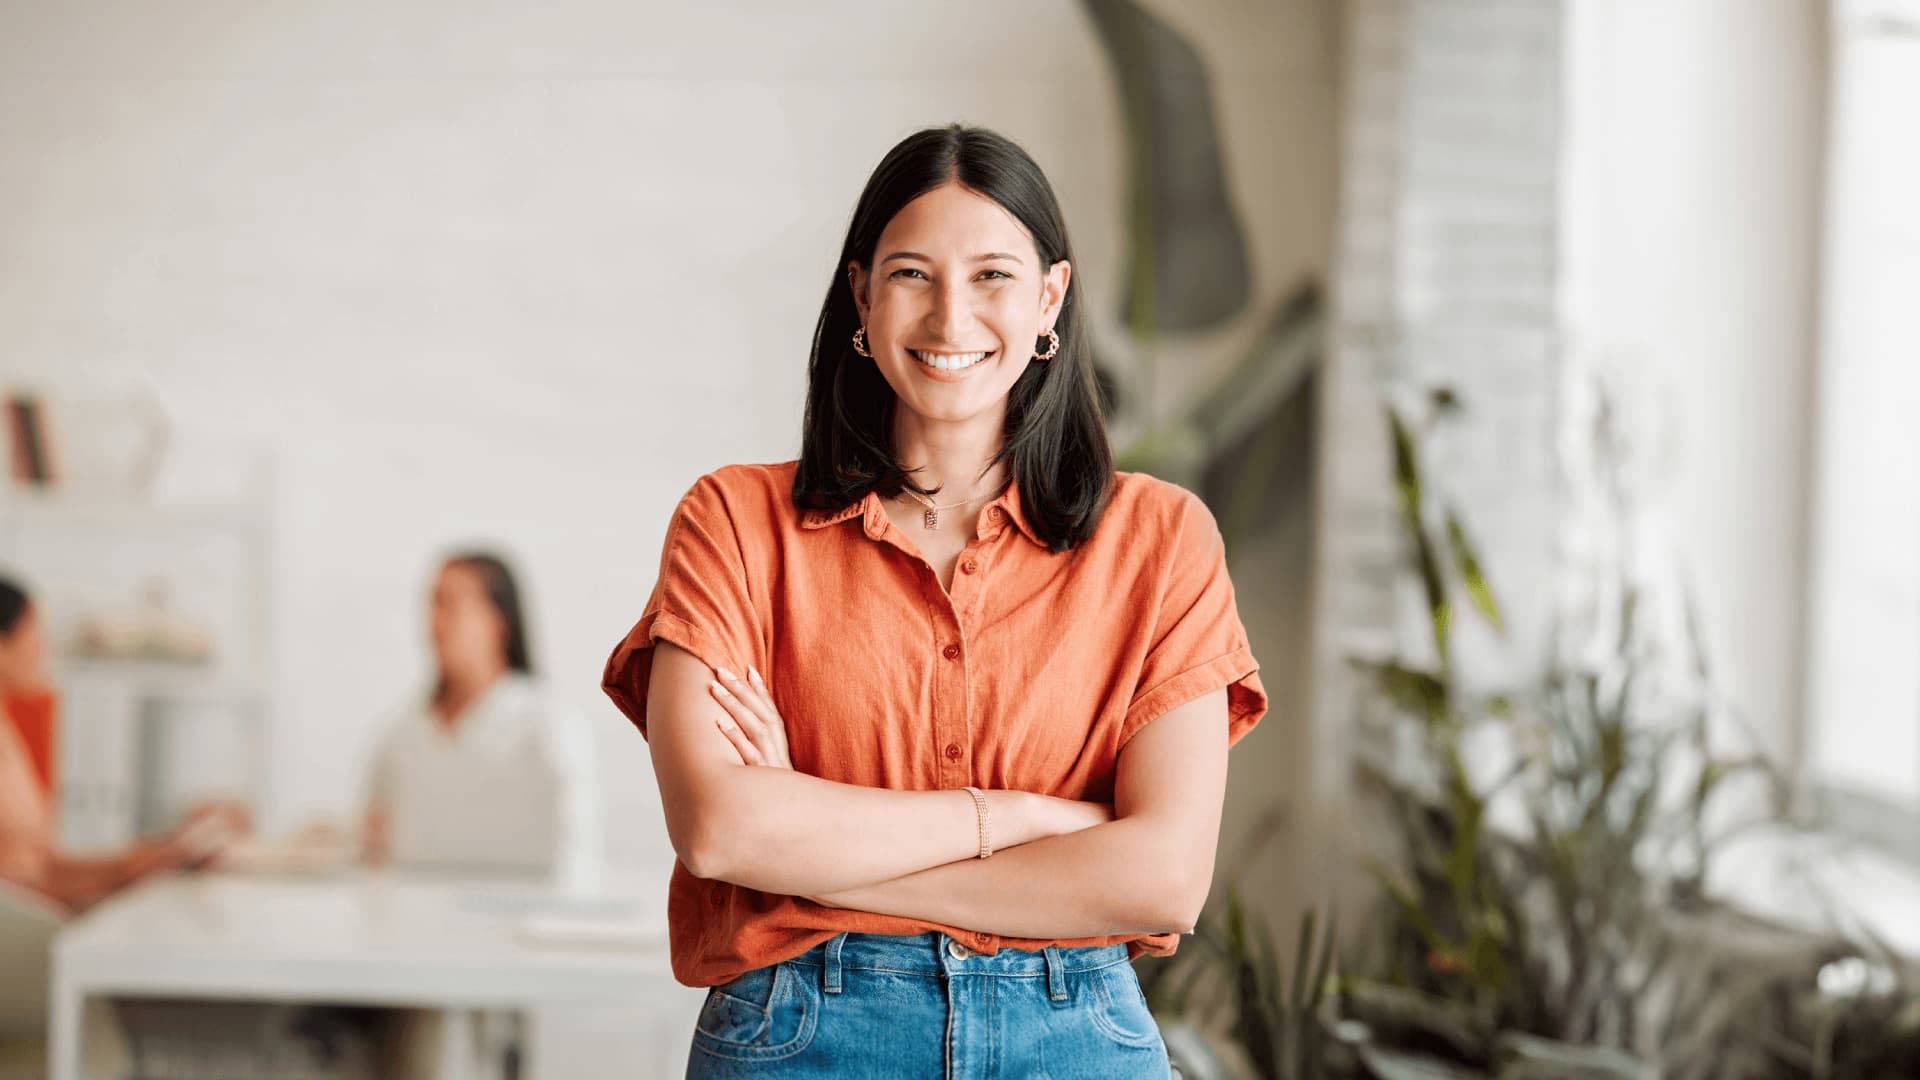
(990, 256)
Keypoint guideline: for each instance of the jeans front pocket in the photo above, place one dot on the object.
(1119, 1008)
(766, 1014)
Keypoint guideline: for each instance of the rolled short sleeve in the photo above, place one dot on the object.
(1198, 643)
(26, 829)
(700, 602)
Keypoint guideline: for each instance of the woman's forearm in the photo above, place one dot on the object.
(777, 830)
(80, 882)
(1122, 877)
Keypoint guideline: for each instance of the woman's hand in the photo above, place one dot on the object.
(1021, 817)
(216, 815)
(754, 726)
(208, 828)
(149, 857)
(758, 735)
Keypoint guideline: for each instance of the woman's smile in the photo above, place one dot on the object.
(947, 366)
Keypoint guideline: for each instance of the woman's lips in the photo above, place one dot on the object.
(950, 360)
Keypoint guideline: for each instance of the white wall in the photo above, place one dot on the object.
(517, 273)
(1695, 143)
(1448, 264)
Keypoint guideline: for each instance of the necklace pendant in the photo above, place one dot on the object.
(930, 518)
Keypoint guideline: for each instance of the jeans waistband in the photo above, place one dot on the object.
(936, 953)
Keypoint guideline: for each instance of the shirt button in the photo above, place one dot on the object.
(953, 751)
(718, 901)
(951, 652)
(969, 566)
(980, 939)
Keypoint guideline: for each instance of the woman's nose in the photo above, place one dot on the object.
(951, 315)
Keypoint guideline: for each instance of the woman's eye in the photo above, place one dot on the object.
(906, 271)
(989, 275)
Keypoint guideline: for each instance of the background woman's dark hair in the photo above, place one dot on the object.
(14, 603)
(504, 594)
(1055, 443)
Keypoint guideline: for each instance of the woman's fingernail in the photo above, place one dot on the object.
(754, 674)
(727, 675)
(720, 689)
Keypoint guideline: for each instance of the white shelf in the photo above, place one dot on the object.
(57, 509)
(95, 553)
(160, 677)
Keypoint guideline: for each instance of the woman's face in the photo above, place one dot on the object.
(953, 303)
(22, 653)
(468, 633)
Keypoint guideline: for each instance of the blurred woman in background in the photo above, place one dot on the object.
(486, 772)
(29, 851)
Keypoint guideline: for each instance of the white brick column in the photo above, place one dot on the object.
(1447, 268)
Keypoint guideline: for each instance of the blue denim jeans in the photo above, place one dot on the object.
(924, 1005)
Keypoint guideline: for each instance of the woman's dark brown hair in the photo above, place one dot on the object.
(1055, 442)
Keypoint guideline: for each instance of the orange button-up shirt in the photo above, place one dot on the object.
(1030, 674)
(33, 714)
(26, 823)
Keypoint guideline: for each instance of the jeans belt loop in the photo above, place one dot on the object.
(1056, 975)
(832, 964)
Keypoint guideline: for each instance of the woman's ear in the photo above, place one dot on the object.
(857, 283)
(1053, 292)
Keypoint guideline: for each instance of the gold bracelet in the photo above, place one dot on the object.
(980, 816)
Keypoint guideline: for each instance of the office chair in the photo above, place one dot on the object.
(28, 922)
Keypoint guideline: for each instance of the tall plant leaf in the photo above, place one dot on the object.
(1466, 562)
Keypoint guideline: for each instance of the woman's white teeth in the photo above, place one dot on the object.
(949, 361)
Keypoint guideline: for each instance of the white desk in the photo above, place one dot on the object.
(358, 937)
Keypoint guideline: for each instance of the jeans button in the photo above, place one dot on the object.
(957, 950)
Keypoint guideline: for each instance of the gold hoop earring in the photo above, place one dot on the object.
(860, 342)
(1053, 347)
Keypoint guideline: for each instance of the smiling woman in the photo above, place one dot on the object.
(944, 318)
(957, 304)
(977, 760)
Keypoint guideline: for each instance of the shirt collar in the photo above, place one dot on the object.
(874, 516)
(1008, 506)
(820, 519)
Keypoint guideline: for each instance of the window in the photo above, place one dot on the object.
(1863, 685)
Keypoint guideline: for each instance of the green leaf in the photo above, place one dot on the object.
(1467, 810)
(1407, 482)
(1466, 562)
(1411, 912)
(1266, 961)
(1419, 692)
(1302, 954)
(1323, 968)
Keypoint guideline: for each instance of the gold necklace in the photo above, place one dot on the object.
(930, 517)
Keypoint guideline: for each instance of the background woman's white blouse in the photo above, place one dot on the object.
(511, 786)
